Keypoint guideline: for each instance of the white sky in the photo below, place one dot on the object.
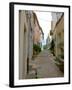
(44, 19)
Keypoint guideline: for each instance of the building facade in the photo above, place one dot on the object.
(38, 33)
(25, 41)
(29, 33)
(57, 27)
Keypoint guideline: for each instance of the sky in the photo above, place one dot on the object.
(44, 19)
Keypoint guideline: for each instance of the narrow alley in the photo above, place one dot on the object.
(41, 48)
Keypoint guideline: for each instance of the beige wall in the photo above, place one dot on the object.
(25, 41)
(55, 17)
(58, 36)
(37, 33)
(23, 45)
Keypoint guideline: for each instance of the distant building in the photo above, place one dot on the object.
(48, 41)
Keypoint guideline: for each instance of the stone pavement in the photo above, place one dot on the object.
(45, 65)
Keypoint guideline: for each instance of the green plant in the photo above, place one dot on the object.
(52, 46)
(36, 49)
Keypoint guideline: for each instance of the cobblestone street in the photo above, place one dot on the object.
(46, 66)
